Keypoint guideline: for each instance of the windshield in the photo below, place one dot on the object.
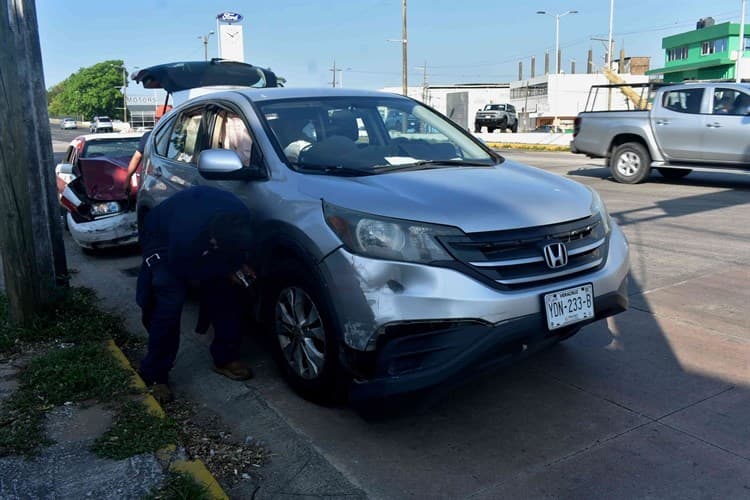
(367, 135)
(110, 147)
(495, 107)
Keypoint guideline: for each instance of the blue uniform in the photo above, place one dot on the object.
(176, 248)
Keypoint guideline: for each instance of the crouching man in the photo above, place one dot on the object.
(203, 235)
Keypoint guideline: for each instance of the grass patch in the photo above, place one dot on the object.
(528, 147)
(135, 431)
(180, 486)
(72, 318)
(73, 374)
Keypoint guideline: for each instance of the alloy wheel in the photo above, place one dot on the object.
(629, 163)
(300, 332)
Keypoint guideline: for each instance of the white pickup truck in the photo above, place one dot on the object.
(693, 126)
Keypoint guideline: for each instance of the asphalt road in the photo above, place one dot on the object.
(651, 403)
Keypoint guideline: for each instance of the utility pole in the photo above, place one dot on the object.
(31, 243)
(333, 82)
(425, 87)
(124, 94)
(741, 47)
(610, 49)
(404, 39)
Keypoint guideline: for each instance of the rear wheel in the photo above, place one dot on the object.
(630, 163)
(514, 128)
(303, 334)
(674, 173)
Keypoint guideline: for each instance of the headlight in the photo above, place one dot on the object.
(598, 207)
(384, 238)
(111, 207)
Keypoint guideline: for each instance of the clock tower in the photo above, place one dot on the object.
(231, 42)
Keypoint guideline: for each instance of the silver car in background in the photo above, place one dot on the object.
(392, 260)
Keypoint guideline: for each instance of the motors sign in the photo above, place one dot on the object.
(141, 100)
(229, 17)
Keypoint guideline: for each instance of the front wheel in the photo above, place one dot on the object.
(630, 163)
(303, 334)
(514, 128)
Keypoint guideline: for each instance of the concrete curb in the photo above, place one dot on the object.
(195, 468)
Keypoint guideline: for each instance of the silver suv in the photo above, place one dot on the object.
(392, 259)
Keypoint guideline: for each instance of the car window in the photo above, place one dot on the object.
(731, 102)
(683, 101)
(230, 132)
(183, 140)
(162, 138)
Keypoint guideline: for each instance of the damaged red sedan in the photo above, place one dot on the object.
(91, 185)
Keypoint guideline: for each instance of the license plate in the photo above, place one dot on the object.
(569, 306)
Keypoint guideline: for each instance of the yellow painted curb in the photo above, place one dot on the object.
(195, 468)
(528, 146)
(199, 472)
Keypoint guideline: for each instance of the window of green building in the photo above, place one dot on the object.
(677, 54)
(713, 46)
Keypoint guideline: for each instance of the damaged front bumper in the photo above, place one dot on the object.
(409, 326)
(115, 230)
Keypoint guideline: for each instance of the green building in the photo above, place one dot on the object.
(706, 53)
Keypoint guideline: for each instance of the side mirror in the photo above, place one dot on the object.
(225, 165)
(64, 168)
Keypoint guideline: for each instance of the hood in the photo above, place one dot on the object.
(104, 178)
(178, 76)
(511, 196)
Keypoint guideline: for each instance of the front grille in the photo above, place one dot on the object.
(515, 258)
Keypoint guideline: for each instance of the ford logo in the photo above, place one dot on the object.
(229, 17)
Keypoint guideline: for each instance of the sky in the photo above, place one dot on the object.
(460, 41)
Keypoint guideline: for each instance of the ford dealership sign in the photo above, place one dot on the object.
(229, 17)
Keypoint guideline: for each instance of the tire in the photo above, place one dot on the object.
(477, 130)
(303, 335)
(630, 163)
(514, 128)
(674, 173)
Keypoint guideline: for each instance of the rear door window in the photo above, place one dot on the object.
(183, 141)
(683, 101)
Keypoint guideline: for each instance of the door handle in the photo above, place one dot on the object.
(662, 122)
(713, 125)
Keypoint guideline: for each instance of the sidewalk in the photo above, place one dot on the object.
(68, 470)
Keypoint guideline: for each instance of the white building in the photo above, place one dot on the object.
(563, 96)
(459, 102)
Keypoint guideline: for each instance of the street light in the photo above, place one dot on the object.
(204, 38)
(557, 33)
(124, 91)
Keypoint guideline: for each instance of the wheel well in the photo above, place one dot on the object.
(623, 138)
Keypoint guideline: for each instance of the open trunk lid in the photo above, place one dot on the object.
(178, 76)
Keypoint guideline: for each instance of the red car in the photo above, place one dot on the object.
(91, 185)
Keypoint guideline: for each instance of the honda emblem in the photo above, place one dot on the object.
(556, 255)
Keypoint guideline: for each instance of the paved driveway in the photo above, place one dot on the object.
(651, 403)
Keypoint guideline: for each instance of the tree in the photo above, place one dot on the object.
(31, 242)
(95, 90)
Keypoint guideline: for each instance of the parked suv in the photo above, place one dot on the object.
(496, 116)
(100, 124)
(392, 261)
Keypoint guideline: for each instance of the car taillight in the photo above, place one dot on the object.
(576, 126)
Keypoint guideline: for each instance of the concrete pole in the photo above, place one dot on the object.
(520, 70)
(557, 43)
(31, 243)
(533, 66)
(404, 77)
(610, 48)
(741, 48)
(546, 63)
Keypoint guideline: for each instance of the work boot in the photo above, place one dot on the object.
(236, 370)
(161, 393)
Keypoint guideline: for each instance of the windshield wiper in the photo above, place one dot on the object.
(436, 164)
(333, 170)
